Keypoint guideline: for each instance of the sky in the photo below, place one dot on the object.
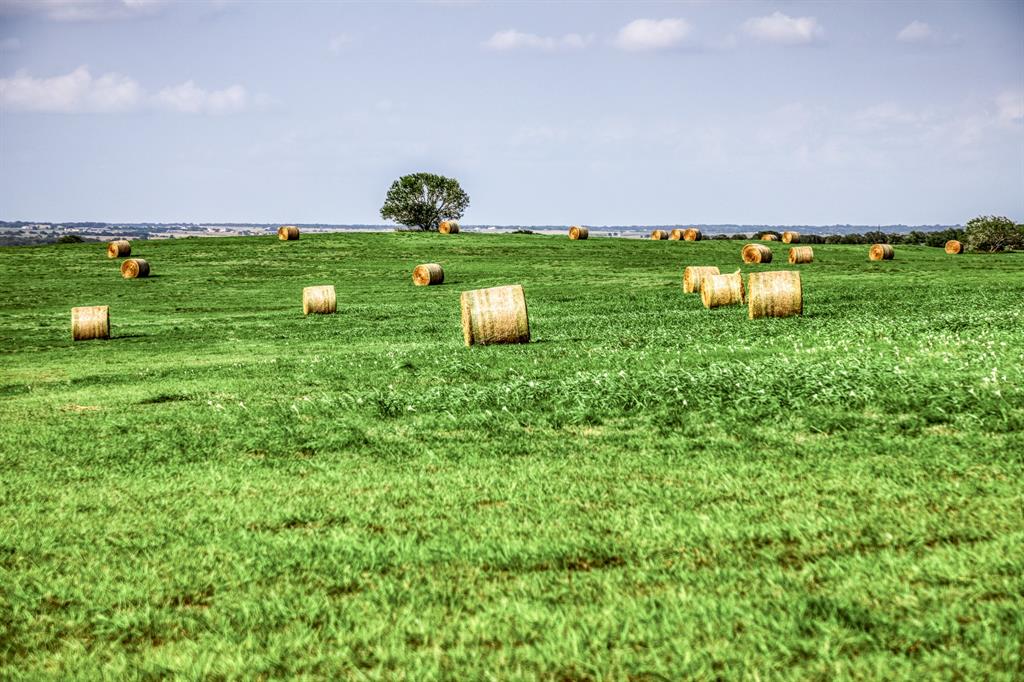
(548, 113)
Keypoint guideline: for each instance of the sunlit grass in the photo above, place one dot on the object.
(226, 488)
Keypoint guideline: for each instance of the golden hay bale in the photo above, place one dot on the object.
(495, 315)
(881, 252)
(287, 233)
(134, 267)
(801, 254)
(119, 248)
(90, 322)
(768, 238)
(448, 227)
(577, 232)
(719, 290)
(676, 234)
(790, 237)
(319, 300)
(775, 294)
(659, 234)
(427, 274)
(756, 253)
(954, 247)
(694, 274)
(692, 234)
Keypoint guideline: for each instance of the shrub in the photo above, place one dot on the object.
(70, 239)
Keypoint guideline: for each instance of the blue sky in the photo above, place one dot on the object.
(548, 113)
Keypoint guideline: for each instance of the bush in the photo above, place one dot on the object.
(70, 239)
(992, 234)
(939, 239)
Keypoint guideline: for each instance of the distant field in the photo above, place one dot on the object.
(648, 490)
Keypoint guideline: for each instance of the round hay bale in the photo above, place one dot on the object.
(495, 315)
(953, 247)
(720, 290)
(90, 322)
(319, 300)
(577, 232)
(287, 233)
(881, 252)
(801, 254)
(659, 234)
(119, 249)
(756, 253)
(448, 227)
(694, 274)
(692, 234)
(426, 274)
(775, 294)
(768, 238)
(676, 234)
(790, 237)
(134, 267)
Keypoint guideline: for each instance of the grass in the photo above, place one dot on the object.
(648, 490)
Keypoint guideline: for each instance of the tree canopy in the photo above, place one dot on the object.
(423, 200)
(993, 233)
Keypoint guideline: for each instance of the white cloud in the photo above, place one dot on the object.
(80, 92)
(916, 32)
(338, 43)
(784, 30)
(885, 116)
(74, 92)
(920, 33)
(652, 34)
(512, 39)
(9, 44)
(188, 98)
(83, 10)
(1010, 107)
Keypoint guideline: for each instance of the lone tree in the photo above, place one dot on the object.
(423, 200)
(992, 233)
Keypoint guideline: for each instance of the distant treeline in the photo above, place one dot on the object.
(914, 237)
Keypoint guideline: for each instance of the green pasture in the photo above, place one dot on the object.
(649, 490)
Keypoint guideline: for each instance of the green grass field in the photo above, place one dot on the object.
(648, 490)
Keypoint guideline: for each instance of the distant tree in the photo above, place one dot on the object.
(991, 234)
(423, 200)
(69, 239)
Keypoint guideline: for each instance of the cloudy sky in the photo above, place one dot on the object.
(548, 113)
